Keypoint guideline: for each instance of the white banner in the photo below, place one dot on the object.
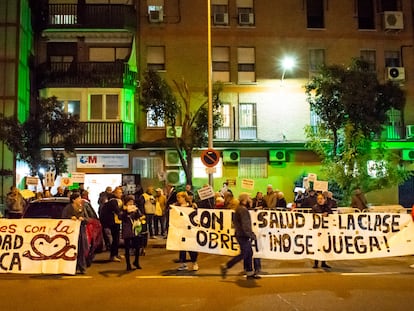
(293, 235)
(38, 246)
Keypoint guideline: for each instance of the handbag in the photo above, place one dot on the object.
(136, 226)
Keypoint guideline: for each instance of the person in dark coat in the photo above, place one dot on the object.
(132, 240)
(110, 221)
(321, 207)
(244, 235)
(75, 210)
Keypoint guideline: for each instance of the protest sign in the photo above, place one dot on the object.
(38, 245)
(294, 235)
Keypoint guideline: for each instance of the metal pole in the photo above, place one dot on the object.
(210, 87)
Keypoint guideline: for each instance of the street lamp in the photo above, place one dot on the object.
(288, 63)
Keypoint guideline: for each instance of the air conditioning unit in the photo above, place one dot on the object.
(172, 158)
(231, 156)
(175, 177)
(156, 16)
(277, 155)
(221, 19)
(246, 19)
(393, 20)
(409, 131)
(169, 132)
(395, 73)
(408, 154)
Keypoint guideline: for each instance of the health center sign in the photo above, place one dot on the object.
(38, 246)
(102, 161)
(293, 235)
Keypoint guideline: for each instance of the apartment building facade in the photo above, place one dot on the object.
(265, 108)
(92, 54)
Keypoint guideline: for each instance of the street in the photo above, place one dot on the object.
(375, 284)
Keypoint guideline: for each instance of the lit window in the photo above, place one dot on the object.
(253, 167)
(154, 123)
(247, 121)
(199, 169)
(147, 167)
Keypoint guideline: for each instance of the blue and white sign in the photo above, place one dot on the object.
(102, 161)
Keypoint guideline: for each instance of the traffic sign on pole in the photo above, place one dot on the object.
(210, 157)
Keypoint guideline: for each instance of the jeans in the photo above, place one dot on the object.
(246, 254)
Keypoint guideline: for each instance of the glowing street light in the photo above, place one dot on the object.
(288, 63)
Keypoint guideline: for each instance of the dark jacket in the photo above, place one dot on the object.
(320, 209)
(108, 212)
(242, 222)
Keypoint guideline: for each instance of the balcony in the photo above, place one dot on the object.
(86, 74)
(102, 134)
(76, 16)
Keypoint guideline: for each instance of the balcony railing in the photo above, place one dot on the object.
(102, 134)
(86, 74)
(106, 16)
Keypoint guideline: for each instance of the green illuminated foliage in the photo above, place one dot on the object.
(352, 106)
(62, 130)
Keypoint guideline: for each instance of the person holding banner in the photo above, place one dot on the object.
(75, 210)
(244, 235)
(182, 200)
(321, 207)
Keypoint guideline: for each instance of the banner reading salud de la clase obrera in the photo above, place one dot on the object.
(293, 235)
(38, 246)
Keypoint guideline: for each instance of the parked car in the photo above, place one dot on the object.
(53, 208)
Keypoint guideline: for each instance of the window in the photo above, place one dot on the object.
(155, 11)
(316, 59)
(63, 15)
(199, 170)
(110, 54)
(392, 58)
(224, 132)
(253, 167)
(219, 8)
(394, 126)
(246, 65)
(370, 57)
(366, 18)
(151, 122)
(245, 12)
(314, 14)
(147, 167)
(104, 107)
(391, 5)
(156, 58)
(221, 64)
(247, 121)
(71, 106)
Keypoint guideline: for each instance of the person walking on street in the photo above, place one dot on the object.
(244, 235)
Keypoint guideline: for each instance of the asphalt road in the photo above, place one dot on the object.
(376, 284)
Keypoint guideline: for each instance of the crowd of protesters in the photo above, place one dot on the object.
(119, 212)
